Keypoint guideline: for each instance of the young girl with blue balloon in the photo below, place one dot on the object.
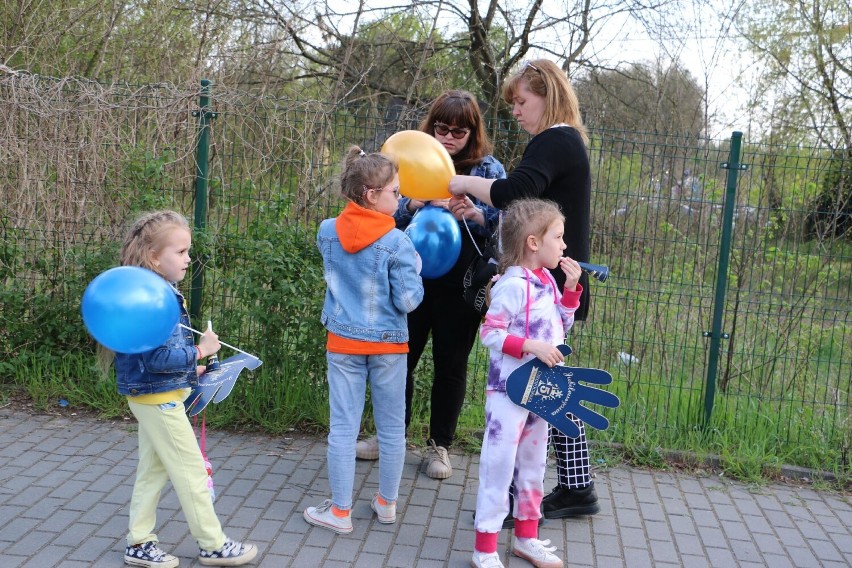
(528, 317)
(372, 282)
(156, 382)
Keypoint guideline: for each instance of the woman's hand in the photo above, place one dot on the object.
(458, 185)
(572, 272)
(477, 187)
(546, 352)
(462, 207)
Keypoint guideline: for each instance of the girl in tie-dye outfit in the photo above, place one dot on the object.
(528, 317)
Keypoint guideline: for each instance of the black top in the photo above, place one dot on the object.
(555, 166)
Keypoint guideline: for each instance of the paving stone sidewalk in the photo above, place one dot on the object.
(65, 485)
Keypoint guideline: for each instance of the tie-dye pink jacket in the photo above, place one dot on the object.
(508, 321)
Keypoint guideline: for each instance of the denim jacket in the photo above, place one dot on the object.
(168, 367)
(488, 168)
(369, 292)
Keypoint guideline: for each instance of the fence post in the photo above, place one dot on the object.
(202, 152)
(733, 166)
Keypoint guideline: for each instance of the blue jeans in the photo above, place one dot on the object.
(347, 387)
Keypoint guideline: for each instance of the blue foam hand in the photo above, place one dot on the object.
(200, 397)
(553, 393)
(215, 386)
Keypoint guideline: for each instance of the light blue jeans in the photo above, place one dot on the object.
(348, 376)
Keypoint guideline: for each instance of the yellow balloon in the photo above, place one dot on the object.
(425, 166)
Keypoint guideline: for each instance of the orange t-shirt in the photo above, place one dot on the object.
(338, 344)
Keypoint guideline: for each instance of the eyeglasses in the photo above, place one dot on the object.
(443, 130)
(394, 190)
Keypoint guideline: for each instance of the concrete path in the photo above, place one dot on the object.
(65, 485)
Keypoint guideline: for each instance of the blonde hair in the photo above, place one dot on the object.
(544, 78)
(524, 217)
(145, 236)
(362, 171)
(148, 235)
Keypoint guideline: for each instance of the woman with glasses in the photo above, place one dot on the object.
(554, 166)
(454, 119)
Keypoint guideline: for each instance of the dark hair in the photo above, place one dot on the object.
(460, 109)
(362, 170)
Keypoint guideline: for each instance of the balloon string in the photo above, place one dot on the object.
(220, 341)
(472, 239)
(499, 244)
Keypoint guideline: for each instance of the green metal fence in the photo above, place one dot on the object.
(725, 307)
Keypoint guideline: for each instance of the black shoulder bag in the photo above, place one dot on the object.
(481, 271)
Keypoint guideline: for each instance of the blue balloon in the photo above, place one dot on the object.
(437, 239)
(130, 309)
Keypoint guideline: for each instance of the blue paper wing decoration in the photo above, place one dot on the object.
(215, 386)
(552, 393)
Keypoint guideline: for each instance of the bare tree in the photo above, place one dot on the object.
(806, 47)
(641, 97)
(476, 44)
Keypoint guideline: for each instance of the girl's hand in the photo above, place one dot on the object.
(547, 353)
(462, 207)
(415, 204)
(572, 272)
(209, 343)
(199, 370)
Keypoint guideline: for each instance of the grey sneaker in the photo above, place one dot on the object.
(148, 554)
(232, 553)
(323, 516)
(438, 465)
(367, 449)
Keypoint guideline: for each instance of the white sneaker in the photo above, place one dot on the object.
(536, 552)
(367, 449)
(438, 466)
(485, 560)
(322, 516)
(386, 514)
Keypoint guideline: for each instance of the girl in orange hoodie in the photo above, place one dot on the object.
(372, 283)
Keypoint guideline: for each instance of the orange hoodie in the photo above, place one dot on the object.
(357, 228)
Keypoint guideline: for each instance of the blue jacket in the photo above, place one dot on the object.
(168, 367)
(370, 275)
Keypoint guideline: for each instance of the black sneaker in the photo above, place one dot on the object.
(232, 553)
(148, 554)
(564, 502)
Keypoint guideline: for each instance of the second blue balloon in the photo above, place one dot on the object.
(437, 239)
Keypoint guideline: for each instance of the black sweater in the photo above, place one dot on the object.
(555, 166)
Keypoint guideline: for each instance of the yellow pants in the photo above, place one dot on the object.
(168, 450)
